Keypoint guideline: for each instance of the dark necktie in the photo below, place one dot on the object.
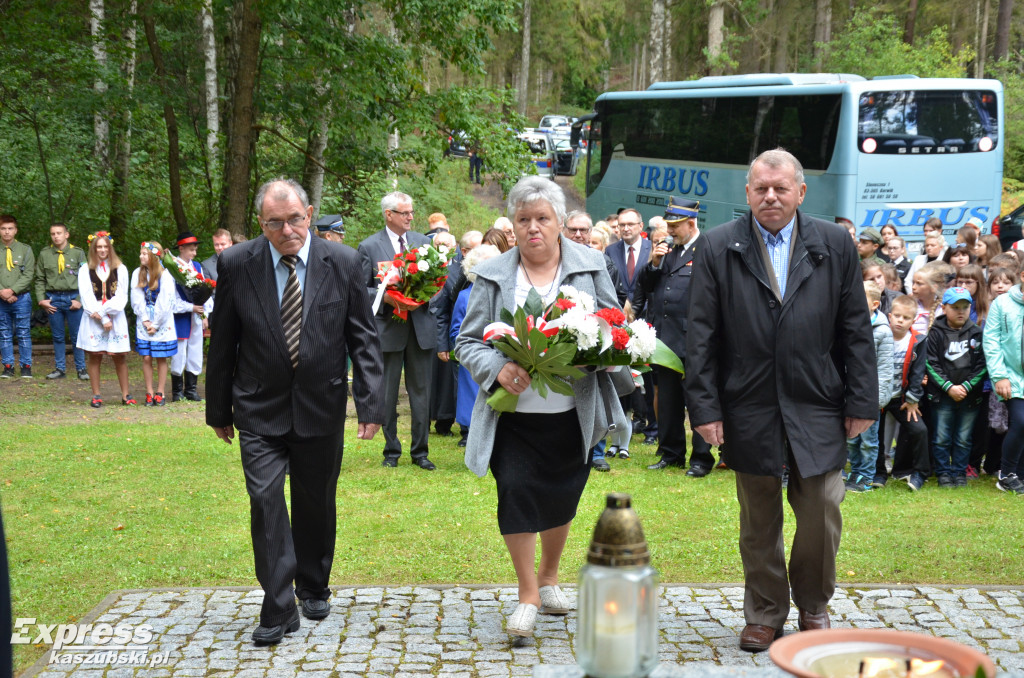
(291, 310)
(401, 243)
(631, 263)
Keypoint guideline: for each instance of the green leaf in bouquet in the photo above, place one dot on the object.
(534, 303)
(503, 401)
(666, 357)
(506, 316)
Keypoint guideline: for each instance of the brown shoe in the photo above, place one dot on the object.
(808, 621)
(757, 638)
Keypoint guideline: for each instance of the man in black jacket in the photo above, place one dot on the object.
(782, 367)
(663, 293)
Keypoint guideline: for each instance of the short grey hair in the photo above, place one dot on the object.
(281, 186)
(778, 157)
(533, 189)
(444, 238)
(471, 239)
(578, 215)
(392, 200)
(476, 256)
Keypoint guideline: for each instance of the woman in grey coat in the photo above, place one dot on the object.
(539, 453)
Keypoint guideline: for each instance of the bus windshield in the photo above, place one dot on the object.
(909, 122)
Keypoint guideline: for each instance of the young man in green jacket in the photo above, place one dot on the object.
(57, 270)
(16, 266)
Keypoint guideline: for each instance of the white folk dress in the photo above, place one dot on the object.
(91, 335)
(160, 312)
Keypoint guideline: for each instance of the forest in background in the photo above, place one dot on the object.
(149, 118)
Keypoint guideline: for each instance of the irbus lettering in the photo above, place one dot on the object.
(950, 216)
(673, 180)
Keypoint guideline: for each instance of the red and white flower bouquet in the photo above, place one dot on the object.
(413, 277)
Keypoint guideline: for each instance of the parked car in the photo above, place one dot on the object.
(1010, 227)
(458, 144)
(566, 157)
(552, 123)
(542, 150)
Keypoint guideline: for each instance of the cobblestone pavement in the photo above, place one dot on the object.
(459, 631)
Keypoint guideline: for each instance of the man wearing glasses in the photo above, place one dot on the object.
(291, 310)
(406, 345)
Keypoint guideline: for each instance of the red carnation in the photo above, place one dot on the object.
(613, 315)
(411, 255)
(565, 304)
(620, 338)
(413, 268)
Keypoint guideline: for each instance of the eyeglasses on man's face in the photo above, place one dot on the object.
(578, 231)
(277, 224)
(404, 215)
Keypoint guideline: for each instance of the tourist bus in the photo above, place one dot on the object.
(890, 150)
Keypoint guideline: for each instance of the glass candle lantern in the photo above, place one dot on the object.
(617, 625)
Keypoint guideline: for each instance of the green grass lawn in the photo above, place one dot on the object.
(99, 500)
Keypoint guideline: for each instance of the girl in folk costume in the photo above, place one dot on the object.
(153, 297)
(190, 320)
(103, 290)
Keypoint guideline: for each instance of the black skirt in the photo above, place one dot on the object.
(537, 463)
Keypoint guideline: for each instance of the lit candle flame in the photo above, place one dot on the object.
(876, 666)
(611, 607)
(920, 667)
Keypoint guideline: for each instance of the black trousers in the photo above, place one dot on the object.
(911, 443)
(671, 431)
(283, 555)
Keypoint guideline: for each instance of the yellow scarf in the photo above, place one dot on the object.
(10, 260)
(60, 261)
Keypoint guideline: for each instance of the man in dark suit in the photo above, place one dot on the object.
(409, 345)
(630, 254)
(291, 309)
(782, 368)
(663, 291)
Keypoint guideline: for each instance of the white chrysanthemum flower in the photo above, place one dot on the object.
(423, 266)
(443, 249)
(580, 298)
(423, 250)
(583, 326)
(643, 342)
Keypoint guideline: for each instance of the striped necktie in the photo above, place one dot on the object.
(401, 244)
(291, 310)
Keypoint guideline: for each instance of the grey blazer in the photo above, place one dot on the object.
(597, 404)
(394, 334)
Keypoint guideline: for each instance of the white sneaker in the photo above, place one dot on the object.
(522, 621)
(553, 601)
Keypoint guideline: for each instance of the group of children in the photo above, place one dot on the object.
(105, 292)
(950, 360)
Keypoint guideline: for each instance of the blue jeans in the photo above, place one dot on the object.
(952, 427)
(862, 452)
(73, 319)
(14, 318)
(599, 450)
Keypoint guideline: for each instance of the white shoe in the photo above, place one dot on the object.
(553, 601)
(522, 621)
(623, 453)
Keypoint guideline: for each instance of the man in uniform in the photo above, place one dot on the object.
(17, 265)
(331, 227)
(57, 291)
(663, 291)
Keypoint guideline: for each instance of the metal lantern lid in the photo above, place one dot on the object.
(618, 538)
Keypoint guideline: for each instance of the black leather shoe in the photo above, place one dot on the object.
(389, 462)
(271, 635)
(650, 440)
(600, 465)
(424, 464)
(657, 466)
(697, 471)
(314, 608)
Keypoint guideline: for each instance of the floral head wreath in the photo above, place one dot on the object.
(152, 248)
(101, 234)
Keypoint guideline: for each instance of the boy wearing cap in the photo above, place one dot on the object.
(189, 321)
(868, 243)
(956, 372)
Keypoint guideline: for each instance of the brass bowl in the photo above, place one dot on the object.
(795, 652)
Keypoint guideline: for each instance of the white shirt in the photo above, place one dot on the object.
(530, 400)
(394, 239)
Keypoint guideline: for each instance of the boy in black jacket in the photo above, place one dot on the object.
(911, 461)
(956, 371)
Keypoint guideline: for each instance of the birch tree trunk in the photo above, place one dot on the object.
(822, 29)
(209, 42)
(716, 36)
(524, 63)
(123, 149)
(656, 42)
(240, 133)
(666, 51)
(313, 170)
(608, 69)
(1003, 29)
(101, 127)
